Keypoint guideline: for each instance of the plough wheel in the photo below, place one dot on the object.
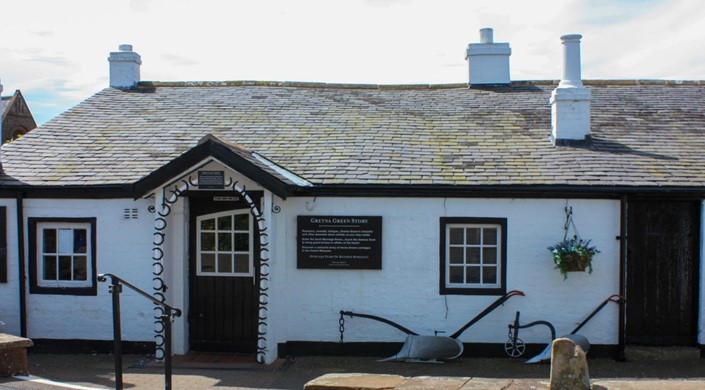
(514, 349)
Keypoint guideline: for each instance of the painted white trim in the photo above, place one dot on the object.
(250, 267)
(36, 379)
(298, 180)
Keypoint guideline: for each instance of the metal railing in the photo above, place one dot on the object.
(115, 289)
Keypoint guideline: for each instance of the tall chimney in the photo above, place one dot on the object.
(488, 62)
(570, 101)
(124, 67)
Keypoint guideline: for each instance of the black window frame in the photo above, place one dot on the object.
(445, 290)
(34, 287)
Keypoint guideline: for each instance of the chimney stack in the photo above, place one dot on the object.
(570, 101)
(488, 62)
(124, 67)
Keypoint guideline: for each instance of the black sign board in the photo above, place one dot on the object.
(211, 180)
(347, 242)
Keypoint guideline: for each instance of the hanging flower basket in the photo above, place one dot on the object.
(573, 255)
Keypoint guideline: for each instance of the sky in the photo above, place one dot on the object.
(56, 52)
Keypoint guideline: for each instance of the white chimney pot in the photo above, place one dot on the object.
(486, 35)
(571, 77)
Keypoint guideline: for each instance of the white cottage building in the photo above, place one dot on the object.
(263, 209)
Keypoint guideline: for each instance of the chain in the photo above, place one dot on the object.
(341, 327)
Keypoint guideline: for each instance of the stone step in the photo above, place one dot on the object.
(641, 353)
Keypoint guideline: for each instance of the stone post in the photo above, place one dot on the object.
(569, 368)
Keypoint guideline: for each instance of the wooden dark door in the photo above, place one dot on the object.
(662, 272)
(223, 276)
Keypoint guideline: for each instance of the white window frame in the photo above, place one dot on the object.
(498, 287)
(481, 245)
(41, 282)
(233, 252)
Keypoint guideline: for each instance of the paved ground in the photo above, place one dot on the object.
(97, 371)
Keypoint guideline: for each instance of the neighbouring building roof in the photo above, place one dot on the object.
(17, 120)
(645, 134)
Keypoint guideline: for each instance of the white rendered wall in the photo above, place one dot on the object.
(124, 249)
(9, 292)
(406, 289)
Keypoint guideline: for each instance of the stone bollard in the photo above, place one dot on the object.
(569, 368)
(13, 355)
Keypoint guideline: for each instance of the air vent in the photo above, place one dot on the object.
(131, 214)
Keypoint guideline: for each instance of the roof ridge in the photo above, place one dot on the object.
(320, 85)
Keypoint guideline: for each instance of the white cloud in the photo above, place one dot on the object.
(364, 41)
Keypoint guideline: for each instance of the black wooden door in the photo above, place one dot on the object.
(223, 303)
(662, 272)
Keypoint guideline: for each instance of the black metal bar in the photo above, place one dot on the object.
(616, 298)
(516, 327)
(169, 312)
(115, 290)
(21, 255)
(623, 237)
(177, 312)
(166, 320)
(380, 319)
(487, 311)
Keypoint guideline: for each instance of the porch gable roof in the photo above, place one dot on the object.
(234, 156)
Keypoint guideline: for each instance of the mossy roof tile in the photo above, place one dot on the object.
(645, 133)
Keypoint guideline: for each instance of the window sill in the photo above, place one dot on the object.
(472, 291)
(86, 291)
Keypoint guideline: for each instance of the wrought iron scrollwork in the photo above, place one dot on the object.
(170, 197)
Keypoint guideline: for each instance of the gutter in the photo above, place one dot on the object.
(21, 256)
(623, 219)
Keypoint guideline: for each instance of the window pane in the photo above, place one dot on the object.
(225, 262)
(456, 236)
(80, 270)
(207, 241)
(225, 223)
(489, 255)
(242, 222)
(49, 267)
(50, 241)
(65, 241)
(472, 274)
(208, 224)
(473, 236)
(207, 262)
(79, 240)
(489, 275)
(455, 275)
(65, 270)
(242, 263)
(455, 255)
(242, 242)
(225, 242)
(473, 255)
(489, 236)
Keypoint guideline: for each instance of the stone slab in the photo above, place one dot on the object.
(430, 382)
(8, 341)
(354, 382)
(487, 383)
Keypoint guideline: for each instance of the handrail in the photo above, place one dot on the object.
(102, 278)
(115, 289)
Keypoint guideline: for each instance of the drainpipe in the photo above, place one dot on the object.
(23, 275)
(623, 210)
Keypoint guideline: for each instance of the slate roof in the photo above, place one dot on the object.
(645, 133)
